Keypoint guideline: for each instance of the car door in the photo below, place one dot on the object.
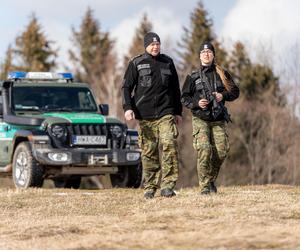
(4, 140)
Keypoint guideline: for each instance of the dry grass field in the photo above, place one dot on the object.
(249, 217)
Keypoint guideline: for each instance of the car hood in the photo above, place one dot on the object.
(78, 118)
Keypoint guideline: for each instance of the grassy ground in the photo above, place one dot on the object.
(249, 217)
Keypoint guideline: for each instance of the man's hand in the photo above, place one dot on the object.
(129, 115)
(203, 103)
(219, 96)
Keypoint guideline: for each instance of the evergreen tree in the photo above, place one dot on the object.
(95, 62)
(33, 50)
(201, 31)
(137, 45)
(7, 66)
(255, 80)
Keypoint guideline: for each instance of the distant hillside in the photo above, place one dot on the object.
(248, 217)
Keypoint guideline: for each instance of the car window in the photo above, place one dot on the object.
(53, 98)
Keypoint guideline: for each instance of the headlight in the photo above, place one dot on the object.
(132, 156)
(59, 157)
(58, 131)
(116, 131)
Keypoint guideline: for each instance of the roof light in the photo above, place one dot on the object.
(18, 75)
(67, 75)
(41, 75)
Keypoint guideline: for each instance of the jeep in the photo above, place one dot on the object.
(52, 128)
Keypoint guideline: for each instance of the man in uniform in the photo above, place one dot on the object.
(151, 94)
(205, 92)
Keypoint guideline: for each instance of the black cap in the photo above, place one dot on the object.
(149, 38)
(207, 45)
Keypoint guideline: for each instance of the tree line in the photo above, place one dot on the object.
(264, 135)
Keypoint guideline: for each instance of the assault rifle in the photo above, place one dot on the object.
(217, 108)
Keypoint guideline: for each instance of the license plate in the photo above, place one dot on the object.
(98, 160)
(89, 140)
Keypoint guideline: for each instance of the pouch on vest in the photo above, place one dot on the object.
(145, 79)
(165, 76)
(199, 85)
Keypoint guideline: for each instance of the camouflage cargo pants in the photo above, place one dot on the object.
(211, 142)
(153, 133)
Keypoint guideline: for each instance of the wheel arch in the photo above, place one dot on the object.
(20, 136)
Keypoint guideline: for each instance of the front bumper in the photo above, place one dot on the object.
(86, 157)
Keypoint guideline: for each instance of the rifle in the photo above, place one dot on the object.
(207, 93)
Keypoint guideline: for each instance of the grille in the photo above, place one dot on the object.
(88, 129)
(96, 129)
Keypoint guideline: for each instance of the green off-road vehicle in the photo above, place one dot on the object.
(52, 128)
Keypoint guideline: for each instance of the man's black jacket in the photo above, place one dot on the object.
(151, 87)
(191, 94)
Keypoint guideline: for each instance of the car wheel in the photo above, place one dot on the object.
(127, 177)
(27, 172)
(135, 176)
(120, 179)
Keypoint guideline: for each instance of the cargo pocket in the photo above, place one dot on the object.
(165, 76)
(145, 79)
(168, 129)
(171, 133)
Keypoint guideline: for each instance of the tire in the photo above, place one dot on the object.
(68, 182)
(127, 177)
(27, 172)
(135, 176)
(120, 179)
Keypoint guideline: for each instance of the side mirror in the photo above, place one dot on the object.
(104, 109)
(1, 109)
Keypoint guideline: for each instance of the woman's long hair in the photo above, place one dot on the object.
(225, 79)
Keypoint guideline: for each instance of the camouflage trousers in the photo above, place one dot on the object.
(153, 133)
(210, 140)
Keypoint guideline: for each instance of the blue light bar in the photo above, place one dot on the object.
(19, 75)
(67, 75)
(16, 75)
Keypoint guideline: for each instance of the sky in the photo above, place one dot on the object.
(271, 23)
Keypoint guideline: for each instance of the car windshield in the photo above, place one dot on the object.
(45, 99)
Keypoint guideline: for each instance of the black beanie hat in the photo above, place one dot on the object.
(207, 45)
(149, 38)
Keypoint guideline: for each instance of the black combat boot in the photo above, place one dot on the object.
(212, 187)
(205, 191)
(149, 195)
(167, 192)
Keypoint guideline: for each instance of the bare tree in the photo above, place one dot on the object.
(95, 61)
